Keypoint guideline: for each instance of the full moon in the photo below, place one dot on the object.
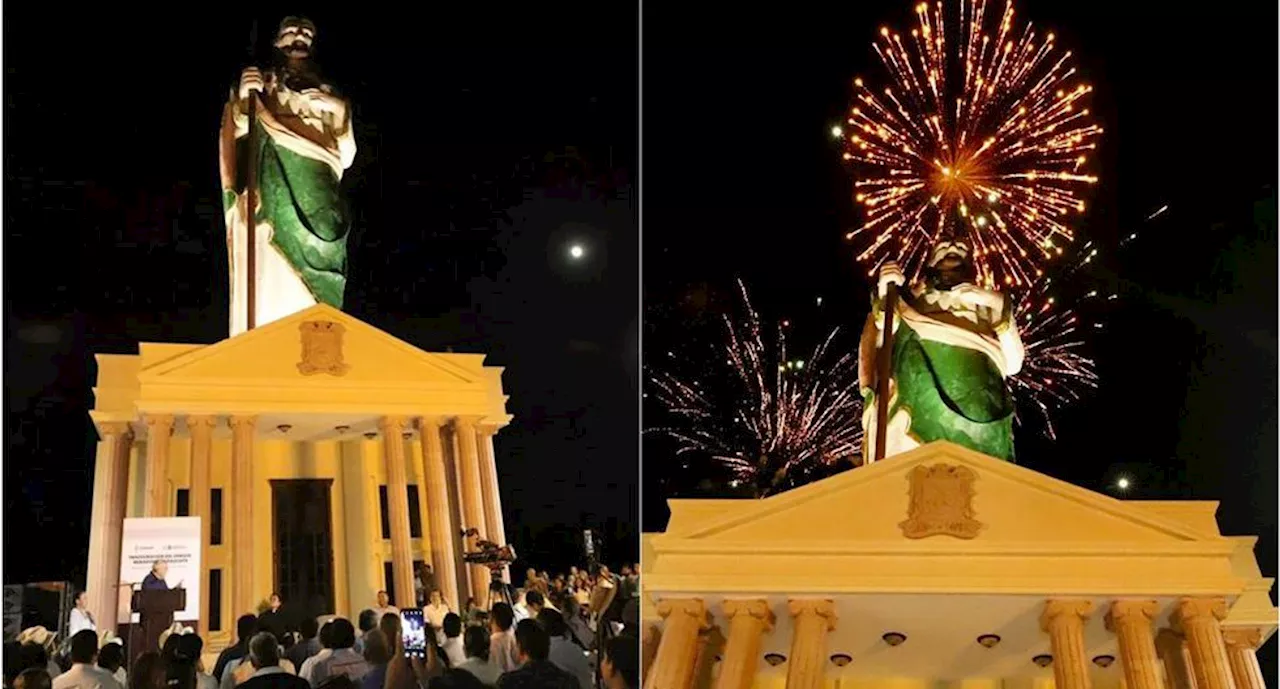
(576, 251)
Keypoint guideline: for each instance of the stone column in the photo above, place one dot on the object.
(1130, 621)
(1242, 653)
(444, 533)
(1064, 622)
(159, 430)
(494, 528)
(649, 647)
(678, 650)
(106, 524)
(201, 430)
(1197, 619)
(392, 428)
(748, 621)
(807, 665)
(472, 500)
(1172, 649)
(242, 437)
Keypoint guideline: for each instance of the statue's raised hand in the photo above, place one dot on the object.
(890, 274)
(251, 80)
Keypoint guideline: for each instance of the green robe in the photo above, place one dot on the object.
(952, 393)
(302, 200)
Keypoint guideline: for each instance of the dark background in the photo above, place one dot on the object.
(488, 140)
(743, 179)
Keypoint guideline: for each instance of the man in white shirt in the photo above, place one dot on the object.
(384, 606)
(451, 632)
(476, 643)
(80, 617)
(436, 611)
(502, 638)
(84, 672)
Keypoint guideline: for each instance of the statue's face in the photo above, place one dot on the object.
(295, 39)
(950, 266)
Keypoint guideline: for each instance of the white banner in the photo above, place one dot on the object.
(173, 540)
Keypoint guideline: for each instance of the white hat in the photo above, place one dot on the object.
(947, 247)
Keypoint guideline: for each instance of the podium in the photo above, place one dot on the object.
(155, 610)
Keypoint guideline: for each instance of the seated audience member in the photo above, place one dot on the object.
(563, 653)
(245, 628)
(111, 659)
(337, 658)
(535, 671)
(33, 678)
(452, 646)
(308, 646)
(366, 622)
(84, 672)
(377, 653)
(264, 658)
(147, 672)
(502, 640)
(620, 667)
(476, 645)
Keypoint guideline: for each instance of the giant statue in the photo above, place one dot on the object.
(289, 159)
(954, 345)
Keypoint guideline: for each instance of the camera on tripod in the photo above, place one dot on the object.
(488, 553)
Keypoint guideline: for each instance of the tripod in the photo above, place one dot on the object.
(498, 586)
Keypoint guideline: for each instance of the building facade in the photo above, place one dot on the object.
(325, 458)
(942, 566)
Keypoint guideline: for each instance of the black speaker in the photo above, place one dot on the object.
(12, 612)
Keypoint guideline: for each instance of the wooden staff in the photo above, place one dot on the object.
(884, 370)
(250, 189)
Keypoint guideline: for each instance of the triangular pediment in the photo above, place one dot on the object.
(321, 346)
(868, 506)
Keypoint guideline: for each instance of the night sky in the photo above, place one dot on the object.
(488, 141)
(742, 179)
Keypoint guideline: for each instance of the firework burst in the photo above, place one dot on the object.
(1057, 370)
(982, 133)
(769, 420)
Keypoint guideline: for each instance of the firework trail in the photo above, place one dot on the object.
(982, 132)
(769, 420)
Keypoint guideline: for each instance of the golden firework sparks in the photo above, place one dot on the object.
(982, 132)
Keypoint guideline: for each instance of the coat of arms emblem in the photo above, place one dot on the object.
(322, 348)
(941, 502)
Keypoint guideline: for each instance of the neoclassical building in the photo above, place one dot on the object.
(942, 566)
(324, 457)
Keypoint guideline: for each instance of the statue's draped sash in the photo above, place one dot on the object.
(948, 383)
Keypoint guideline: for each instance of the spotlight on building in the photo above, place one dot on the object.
(894, 638)
(284, 428)
(841, 659)
(342, 429)
(1104, 660)
(774, 659)
(370, 435)
(407, 434)
(1043, 660)
(989, 640)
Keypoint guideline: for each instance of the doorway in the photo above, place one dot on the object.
(303, 519)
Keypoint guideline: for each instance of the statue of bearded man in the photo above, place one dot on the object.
(954, 346)
(302, 145)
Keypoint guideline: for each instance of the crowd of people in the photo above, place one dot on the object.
(577, 630)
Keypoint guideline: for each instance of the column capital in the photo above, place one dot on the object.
(116, 428)
(1139, 611)
(823, 608)
(757, 607)
(468, 422)
(242, 421)
(1055, 610)
(158, 423)
(1242, 638)
(684, 607)
(202, 421)
(487, 430)
(1193, 609)
(432, 421)
(392, 424)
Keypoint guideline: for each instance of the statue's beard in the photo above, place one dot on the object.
(948, 274)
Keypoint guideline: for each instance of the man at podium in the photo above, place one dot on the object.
(155, 579)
